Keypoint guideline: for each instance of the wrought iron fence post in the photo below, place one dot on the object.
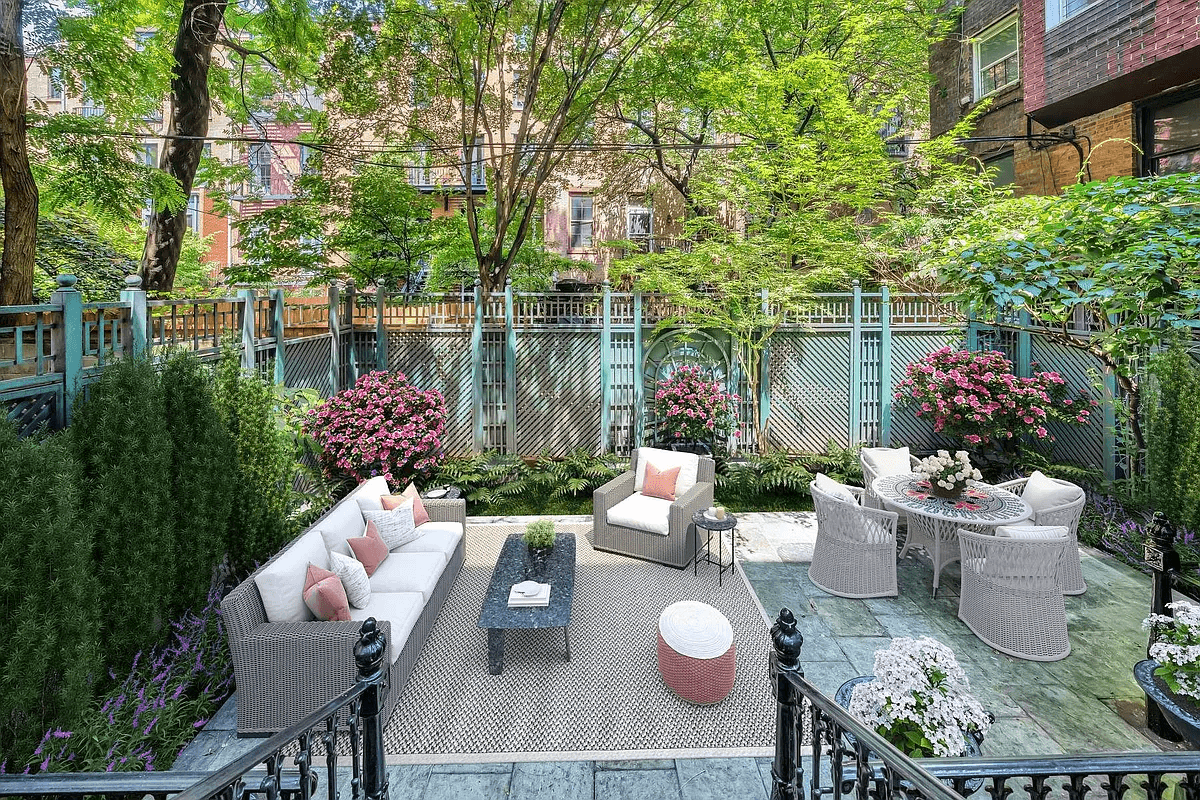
(1163, 562)
(787, 773)
(134, 335)
(66, 341)
(370, 653)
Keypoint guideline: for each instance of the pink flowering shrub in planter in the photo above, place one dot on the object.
(974, 397)
(691, 407)
(381, 426)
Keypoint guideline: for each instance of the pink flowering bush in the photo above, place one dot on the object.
(691, 406)
(974, 396)
(381, 426)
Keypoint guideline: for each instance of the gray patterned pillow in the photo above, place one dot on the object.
(353, 577)
(395, 527)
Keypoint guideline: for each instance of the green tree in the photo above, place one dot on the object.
(49, 596)
(531, 74)
(120, 436)
(1107, 267)
(1173, 436)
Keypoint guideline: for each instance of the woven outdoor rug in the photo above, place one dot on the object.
(608, 698)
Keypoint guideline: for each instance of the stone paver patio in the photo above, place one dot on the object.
(1074, 705)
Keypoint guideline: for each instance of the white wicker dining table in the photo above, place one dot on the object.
(933, 521)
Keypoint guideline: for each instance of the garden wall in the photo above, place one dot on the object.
(529, 373)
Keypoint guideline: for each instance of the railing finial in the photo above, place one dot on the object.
(787, 640)
(133, 282)
(370, 648)
(66, 280)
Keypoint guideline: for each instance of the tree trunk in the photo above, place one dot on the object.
(20, 190)
(199, 27)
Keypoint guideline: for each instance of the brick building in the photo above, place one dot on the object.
(1103, 88)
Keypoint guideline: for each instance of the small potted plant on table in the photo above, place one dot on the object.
(539, 538)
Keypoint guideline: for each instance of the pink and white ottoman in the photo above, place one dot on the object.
(697, 656)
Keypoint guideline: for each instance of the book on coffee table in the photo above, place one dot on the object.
(529, 594)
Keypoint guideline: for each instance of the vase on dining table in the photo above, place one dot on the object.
(949, 494)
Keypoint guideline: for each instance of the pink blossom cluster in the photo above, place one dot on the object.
(381, 426)
(691, 406)
(974, 395)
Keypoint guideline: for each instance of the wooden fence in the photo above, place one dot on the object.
(529, 373)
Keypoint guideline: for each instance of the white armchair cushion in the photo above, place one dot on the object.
(1043, 493)
(399, 608)
(834, 489)
(1031, 532)
(281, 583)
(643, 513)
(688, 463)
(409, 572)
(887, 460)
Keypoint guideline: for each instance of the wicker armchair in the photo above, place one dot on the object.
(1066, 514)
(1010, 596)
(855, 551)
(870, 499)
(678, 547)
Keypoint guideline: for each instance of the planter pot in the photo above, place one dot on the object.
(537, 560)
(949, 494)
(1182, 713)
(972, 741)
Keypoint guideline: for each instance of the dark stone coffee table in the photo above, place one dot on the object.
(514, 566)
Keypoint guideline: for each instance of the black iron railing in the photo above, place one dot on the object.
(811, 725)
(356, 715)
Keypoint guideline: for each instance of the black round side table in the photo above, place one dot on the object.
(711, 525)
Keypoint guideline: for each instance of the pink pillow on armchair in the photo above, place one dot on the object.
(660, 482)
(391, 501)
(325, 596)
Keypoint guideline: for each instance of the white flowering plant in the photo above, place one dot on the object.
(1177, 647)
(920, 700)
(948, 472)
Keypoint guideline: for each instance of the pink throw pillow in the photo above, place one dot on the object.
(660, 482)
(369, 549)
(420, 515)
(325, 596)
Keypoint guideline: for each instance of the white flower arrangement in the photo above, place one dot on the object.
(920, 699)
(1177, 649)
(949, 472)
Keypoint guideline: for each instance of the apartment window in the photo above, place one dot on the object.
(581, 221)
(1173, 138)
(639, 222)
(1062, 10)
(1001, 170)
(260, 166)
(418, 170)
(141, 38)
(474, 166)
(149, 154)
(193, 213)
(305, 154)
(91, 109)
(997, 61)
(896, 144)
(518, 91)
(56, 87)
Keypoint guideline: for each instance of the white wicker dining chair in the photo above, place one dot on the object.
(877, 461)
(1010, 596)
(855, 551)
(1066, 514)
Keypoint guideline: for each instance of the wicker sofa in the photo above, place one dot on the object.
(286, 670)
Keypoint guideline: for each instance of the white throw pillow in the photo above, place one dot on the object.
(354, 578)
(1031, 532)
(831, 487)
(366, 504)
(395, 527)
(887, 460)
(1043, 493)
(281, 583)
(688, 463)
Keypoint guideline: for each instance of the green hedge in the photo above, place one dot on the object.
(1172, 416)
